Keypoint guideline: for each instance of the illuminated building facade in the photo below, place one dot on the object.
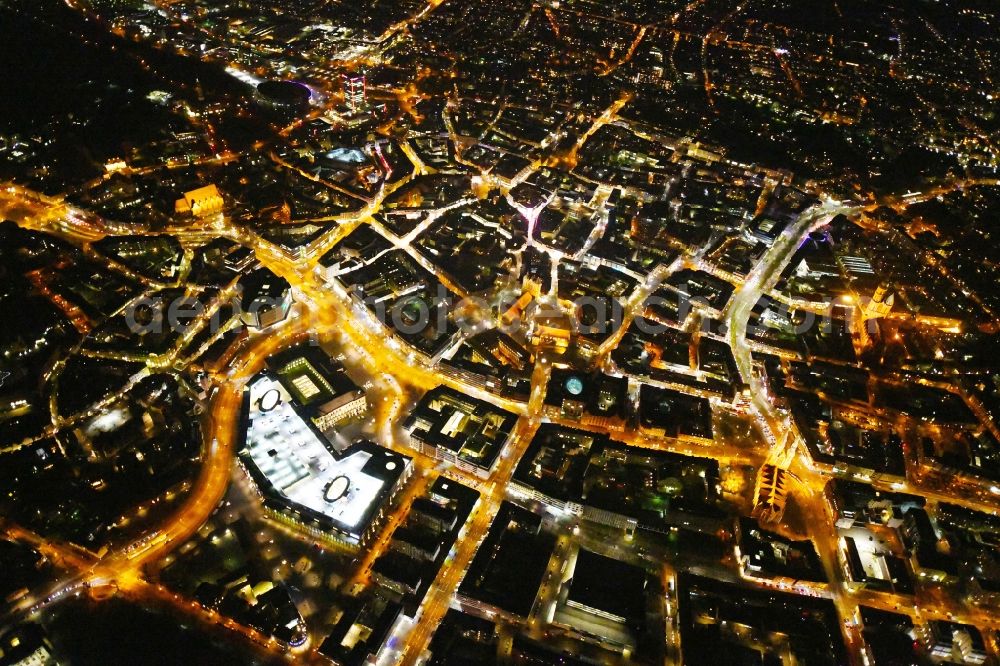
(200, 202)
(321, 388)
(464, 431)
(303, 482)
(355, 91)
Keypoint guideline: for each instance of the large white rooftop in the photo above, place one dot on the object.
(298, 464)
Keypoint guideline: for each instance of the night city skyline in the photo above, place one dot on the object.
(528, 332)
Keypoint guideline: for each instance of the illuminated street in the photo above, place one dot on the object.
(429, 332)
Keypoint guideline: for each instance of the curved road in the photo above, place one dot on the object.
(759, 282)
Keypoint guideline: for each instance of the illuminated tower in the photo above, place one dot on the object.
(355, 91)
(866, 318)
(880, 304)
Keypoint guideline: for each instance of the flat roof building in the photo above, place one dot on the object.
(303, 481)
(608, 588)
(320, 387)
(267, 298)
(510, 564)
(465, 431)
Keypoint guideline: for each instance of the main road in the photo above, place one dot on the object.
(761, 280)
(123, 567)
